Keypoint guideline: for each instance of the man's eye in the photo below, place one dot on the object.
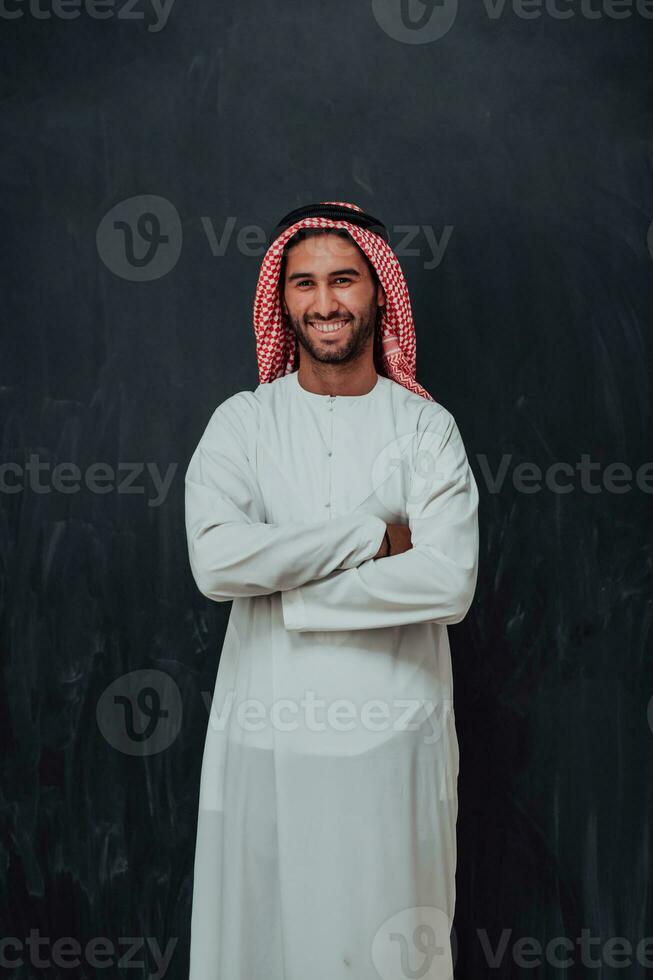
(343, 279)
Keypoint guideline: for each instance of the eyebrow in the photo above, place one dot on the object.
(337, 272)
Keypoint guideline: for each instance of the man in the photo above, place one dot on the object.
(335, 506)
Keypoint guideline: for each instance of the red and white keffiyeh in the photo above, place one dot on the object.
(276, 344)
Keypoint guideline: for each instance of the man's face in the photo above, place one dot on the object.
(330, 298)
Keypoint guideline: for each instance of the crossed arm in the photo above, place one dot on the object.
(322, 569)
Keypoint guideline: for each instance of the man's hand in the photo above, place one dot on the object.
(400, 540)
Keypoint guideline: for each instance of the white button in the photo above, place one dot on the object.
(329, 453)
(327, 505)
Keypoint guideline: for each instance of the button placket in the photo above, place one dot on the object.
(330, 401)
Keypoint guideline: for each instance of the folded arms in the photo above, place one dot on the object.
(322, 569)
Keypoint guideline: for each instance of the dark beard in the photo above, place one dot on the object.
(361, 332)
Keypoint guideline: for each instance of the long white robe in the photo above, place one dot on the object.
(326, 841)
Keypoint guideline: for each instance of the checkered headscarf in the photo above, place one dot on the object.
(276, 345)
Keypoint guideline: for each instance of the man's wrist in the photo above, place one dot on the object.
(384, 546)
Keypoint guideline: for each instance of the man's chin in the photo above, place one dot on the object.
(312, 342)
(331, 356)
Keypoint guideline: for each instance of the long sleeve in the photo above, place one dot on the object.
(232, 551)
(435, 580)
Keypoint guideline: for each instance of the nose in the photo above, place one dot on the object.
(325, 303)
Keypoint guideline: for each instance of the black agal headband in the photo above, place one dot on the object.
(336, 212)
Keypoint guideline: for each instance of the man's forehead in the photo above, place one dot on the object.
(325, 248)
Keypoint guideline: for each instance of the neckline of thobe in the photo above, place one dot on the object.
(315, 397)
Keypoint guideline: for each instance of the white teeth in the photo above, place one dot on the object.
(329, 328)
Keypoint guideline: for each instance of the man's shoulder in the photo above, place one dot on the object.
(244, 408)
(422, 413)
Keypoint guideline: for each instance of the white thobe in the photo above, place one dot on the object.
(326, 839)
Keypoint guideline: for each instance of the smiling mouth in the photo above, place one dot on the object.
(334, 326)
